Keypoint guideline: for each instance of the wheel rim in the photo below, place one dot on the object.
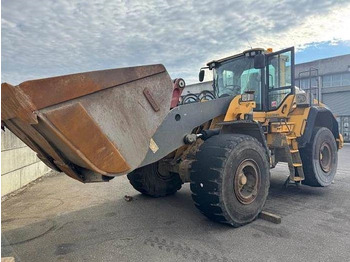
(325, 157)
(247, 181)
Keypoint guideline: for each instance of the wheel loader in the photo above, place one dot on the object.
(97, 125)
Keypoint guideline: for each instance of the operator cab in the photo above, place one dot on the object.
(267, 74)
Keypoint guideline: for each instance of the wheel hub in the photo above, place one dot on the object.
(242, 179)
(325, 157)
(247, 181)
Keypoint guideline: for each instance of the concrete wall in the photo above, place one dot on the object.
(198, 87)
(19, 164)
(325, 66)
(335, 97)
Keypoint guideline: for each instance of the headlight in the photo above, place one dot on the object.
(247, 97)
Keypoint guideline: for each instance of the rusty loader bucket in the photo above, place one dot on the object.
(90, 124)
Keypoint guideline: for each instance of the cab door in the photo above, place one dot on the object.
(279, 77)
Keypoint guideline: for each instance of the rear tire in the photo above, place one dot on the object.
(230, 179)
(149, 181)
(320, 158)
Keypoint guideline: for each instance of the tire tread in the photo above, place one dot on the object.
(207, 199)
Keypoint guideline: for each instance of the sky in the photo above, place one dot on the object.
(43, 38)
(322, 50)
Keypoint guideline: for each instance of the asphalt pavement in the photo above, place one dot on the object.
(59, 219)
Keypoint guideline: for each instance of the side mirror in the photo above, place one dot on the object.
(259, 61)
(201, 75)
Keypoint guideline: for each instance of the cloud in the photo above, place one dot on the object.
(44, 38)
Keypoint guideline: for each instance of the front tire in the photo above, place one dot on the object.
(320, 158)
(230, 179)
(149, 181)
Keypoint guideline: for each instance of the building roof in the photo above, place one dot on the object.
(330, 65)
(327, 59)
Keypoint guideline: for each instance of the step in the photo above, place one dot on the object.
(297, 165)
(291, 137)
(296, 178)
(294, 151)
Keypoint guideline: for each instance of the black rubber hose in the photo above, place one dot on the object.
(209, 133)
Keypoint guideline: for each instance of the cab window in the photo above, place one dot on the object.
(279, 78)
(236, 76)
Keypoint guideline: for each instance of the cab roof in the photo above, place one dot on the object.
(235, 56)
